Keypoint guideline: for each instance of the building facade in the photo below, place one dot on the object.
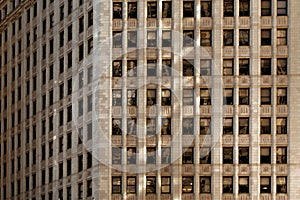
(150, 99)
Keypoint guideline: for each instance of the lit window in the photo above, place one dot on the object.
(166, 68)
(151, 67)
(265, 155)
(281, 96)
(281, 184)
(282, 7)
(205, 184)
(117, 10)
(151, 126)
(228, 37)
(132, 10)
(244, 7)
(166, 9)
(188, 155)
(150, 184)
(116, 155)
(205, 126)
(265, 66)
(244, 67)
(151, 155)
(151, 9)
(266, 37)
(281, 66)
(117, 126)
(165, 184)
(265, 125)
(166, 126)
(188, 126)
(206, 8)
(131, 68)
(243, 155)
(228, 126)
(228, 96)
(165, 155)
(265, 184)
(227, 155)
(282, 37)
(166, 38)
(266, 8)
(131, 126)
(131, 97)
(244, 37)
(244, 96)
(187, 184)
(281, 155)
(228, 67)
(132, 39)
(131, 185)
(117, 97)
(116, 184)
(166, 97)
(228, 184)
(205, 38)
(188, 38)
(131, 155)
(281, 125)
(188, 9)
(243, 184)
(151, 39)
(228, 8)
(205, 155)
(265, 97)
(188, 67)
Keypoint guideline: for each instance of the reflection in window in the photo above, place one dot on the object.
(228, 66)
(188, 67)
(266, 8)
(188, 9)
(165, 155)
(244, 7)
(281, 184)
(265, 155)
(151, 67)
(150, 184)
(243, 184)
(244, 37)
(166, 68)
(151, 126)
(131, 97)
(228, 37)
(228, 184)
(281, 155)
(116, 184)
(116, 126)
(117, 10)
(151, 9)
(151, 39)
(117, 68)
(166, 38)
(243, 155)
(227, 155)
(205, 155)
(188, 126)
(205, 126)
(281, 96)
(166, 97)
(265, 64)
(165, 184)
(205, 98)
(244, 96)
(131, 155)
(205, 184)
(131, 68)
(244, 67)
(265, 184)
(151, 155)
(151, 97)
(265, 96)
(166, 126)
(166, 9)
(206, 8)
(228, 8)
(117, 97)
(243, 125)
(281, 37)
(188, 155)
(131, 185)
(116, 155)
(281, 66)
(228, 96)
(117, 39)
(187, 184)
(132, 10)
(188, 38)
(205, 38)
(282, 7)
(131, 126)
(265, 125)
(205, 67)
(131, 39)
(281, 125)
(228, 126)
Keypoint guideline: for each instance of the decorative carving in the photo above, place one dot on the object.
(188, 22)
(206, 22)
(188, 110)
(244, 22)
(205, 110)
(227, 169)
(265, 110)
(151, 23)
(228, 110)
(166, 22)
(265, 169)
(244, 110)
(205, 168)
(282, 109)
(266, 21)
(265, 139)
(282, 139)
(244, 51)
(282, 51)
(228, 22)
(117, 24)
(166, 111)
(282, 21)
(228, 139)
(266, 51)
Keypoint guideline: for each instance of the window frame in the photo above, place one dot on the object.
(244, 154)
(116, 185)
(187, 184)
(131, 185)
(166, 183)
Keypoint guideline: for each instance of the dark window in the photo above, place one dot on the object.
(282, 37)
(228, 67)
(244, 96)
(166, 96)
(116, 155)
(228, 96)
(243, 184)
(116, 184)
(227, 155)
(265, 155)
(150, 184)
(244, 37)
(166, 9)
(70, 32)
(206, 8)
(151, 155)
(116, 126)
(205, 97)
(187, 155)
(188, 126)
(188, 67)
(228, 8)
(228, 37)
(243, 155)
(244, 7)
(81, 24)
(132, 10)
(61, 14)
(166, 126)
(266, 8)
(205, 126)
(244, 67)
(81, 52)
(281, 184)
(187, 184)
(265, 184)
(265, 66)
(151, 9)
(188, 9)
(90, 17)
(265, 125)
(205, 184)
(282, 7)
(281, 96)
(228, 126)
(227, 184)
(70, 7)
(266, 37)
(117, 68)
(265, 97)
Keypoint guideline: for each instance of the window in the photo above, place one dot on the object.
(188, 97)
(187, 184)
(227, 155)
(188, 9)
(151, 155)
(90, 45)
(90, 102)
(266, 7)
(205, 155)
(243, 125)
(70, 59)
(205, 67)
(281, 125)
(166, 38)
(265, 184)
(132, 39)
(151, 97)
(188, 38)
(188, 155)
(116, 126)
(117, 10)
(61, 14)
(244, 96)
(151, 126)
(131, 185)
(165, 155)
(281, 66)
(282, 7)
(282, 37)
(132, 10)
(205, 38)
(70, 32)
(117, 39)
(165, 184)
(131, 126)
(265, 97)
(166, 9)
(228, 126)
(61, 40)
(90, 18)
(51, 20)
(227, 184)
(205, 184)
(265, 155)
(265, 66)
(244, 37)
(131, 97)
(244, 67)
(80, 191)
(81, 52)
(150, 184)
(228, 66)
(80, 107)
(228, 8)
(116, 184)
(116, 155)
(81, 24)
(228, 37)
(117, 97)
(89, 75)
(166, 95)
(266, 37)
(265, 125)
(188, 126)
(166, 68)
(151, 38)
(151, 9)
(206, 8)
(228, 96)
(205, 126)
(244, 7)
(243, 155)
(131, 68)
(281, 155)
(151, 67)
(188, 67)
(243, 184)
(281, 96)
(131, 155)
(281, 184)
(117, 68)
